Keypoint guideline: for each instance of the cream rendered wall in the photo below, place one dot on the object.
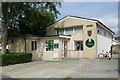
(17, 45)
(40, 53)
(90, 52)
(50, 31)
(70, 22)
(51, 55)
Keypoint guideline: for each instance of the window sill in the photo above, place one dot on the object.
(78, 51)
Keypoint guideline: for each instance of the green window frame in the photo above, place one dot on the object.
(49, 45)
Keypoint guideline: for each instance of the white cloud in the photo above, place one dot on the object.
(111, 21)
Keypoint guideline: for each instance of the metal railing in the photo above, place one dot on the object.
(70, 54)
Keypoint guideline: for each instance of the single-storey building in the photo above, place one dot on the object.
(69, 37)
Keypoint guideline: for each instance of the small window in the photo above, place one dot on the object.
(34, 45)
(89, 26)
(56, 45)
(49, 45)
(98, 31)
(60, 31)
(78, 45)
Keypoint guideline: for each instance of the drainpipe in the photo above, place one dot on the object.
(25, 43)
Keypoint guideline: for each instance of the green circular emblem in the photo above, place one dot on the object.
(90, 43)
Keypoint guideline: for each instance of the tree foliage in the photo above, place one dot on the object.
(30, 18)
(26, 18)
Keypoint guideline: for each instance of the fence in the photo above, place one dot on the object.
(71, 54)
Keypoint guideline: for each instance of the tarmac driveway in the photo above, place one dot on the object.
(83, 68)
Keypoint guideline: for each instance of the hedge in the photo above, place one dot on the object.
(16, 58)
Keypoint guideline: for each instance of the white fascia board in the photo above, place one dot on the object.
(82, 19)
(62, 36)
(104, 27)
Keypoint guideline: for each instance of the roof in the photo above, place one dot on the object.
(32, 36)
(83, 18)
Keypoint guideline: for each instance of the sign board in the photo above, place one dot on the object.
(89, 32)
(89, 43)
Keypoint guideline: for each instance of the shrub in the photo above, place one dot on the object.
(15, 58)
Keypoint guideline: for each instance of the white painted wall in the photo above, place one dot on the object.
(103, 43)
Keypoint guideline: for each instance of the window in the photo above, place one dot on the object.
(89, 26)
(78, 30)
(68, 31)
(104, 33)
(33, 45)
(56, 45)
(61, 31)
(49, 45)
(98, 31)
(78, 45)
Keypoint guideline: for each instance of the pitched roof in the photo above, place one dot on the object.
(82, 18)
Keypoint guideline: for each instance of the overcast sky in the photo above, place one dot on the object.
(106, 12)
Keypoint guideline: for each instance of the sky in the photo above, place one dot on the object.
(106, 12)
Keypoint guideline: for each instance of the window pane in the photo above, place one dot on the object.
(69, 31)
(49, 45)
(32, 46)
(61, 31)
(55, 45)
(77, 30)
(78, 45)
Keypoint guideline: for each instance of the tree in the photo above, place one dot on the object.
(26, 18)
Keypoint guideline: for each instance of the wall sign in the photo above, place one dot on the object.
(89, 32)
(90, 43)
